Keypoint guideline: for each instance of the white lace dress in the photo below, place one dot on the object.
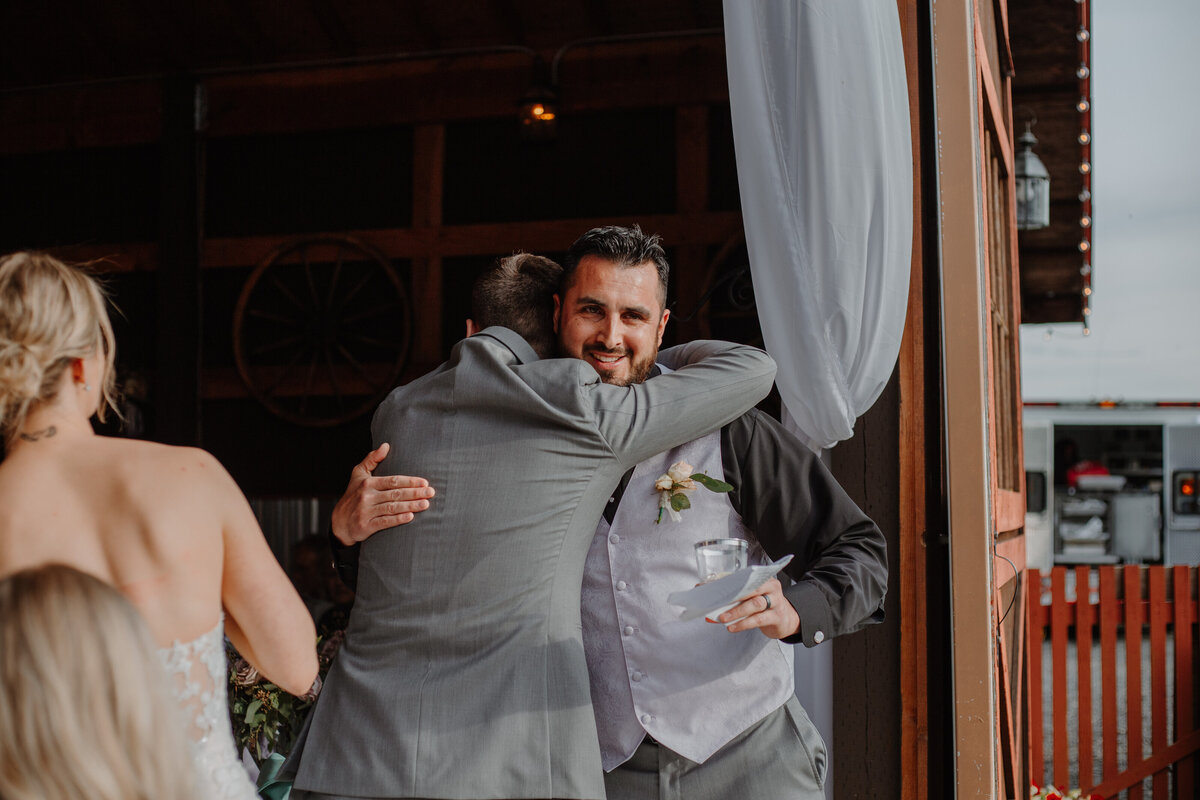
(198, 673)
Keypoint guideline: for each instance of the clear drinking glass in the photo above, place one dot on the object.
(716, 558)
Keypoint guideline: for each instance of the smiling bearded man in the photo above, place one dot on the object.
(691, 709)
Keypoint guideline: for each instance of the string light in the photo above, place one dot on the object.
(1084, 106)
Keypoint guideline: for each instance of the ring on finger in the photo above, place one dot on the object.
(767, 597)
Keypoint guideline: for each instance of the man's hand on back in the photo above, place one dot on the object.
(371, 504)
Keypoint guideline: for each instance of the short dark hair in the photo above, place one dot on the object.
(518, 293)
(626, 247)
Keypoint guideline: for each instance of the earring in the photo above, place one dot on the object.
(87, 387)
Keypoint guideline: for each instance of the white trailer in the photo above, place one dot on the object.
(1146, 509)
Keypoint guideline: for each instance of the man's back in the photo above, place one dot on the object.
(463, 673)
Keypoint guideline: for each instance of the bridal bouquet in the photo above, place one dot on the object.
(265, 718)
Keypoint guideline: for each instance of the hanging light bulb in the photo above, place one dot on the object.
(1085, 195)
(1085, 221)
(1083, 105)
(1085, 168)
(537, 112)
(1082, 34)
(1085, 270)
(1085, 137)
(1084, 245)
(1082, 72)
(1087, 291)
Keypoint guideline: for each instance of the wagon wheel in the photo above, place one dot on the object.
(321, 330)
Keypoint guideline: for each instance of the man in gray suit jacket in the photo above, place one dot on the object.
(463, 673)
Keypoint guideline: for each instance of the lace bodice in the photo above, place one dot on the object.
(197, 673)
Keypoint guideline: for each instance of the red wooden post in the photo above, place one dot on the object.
(1133, 671)
(1084, 618)
(1159, 614)
(1059, 621)
(1184, 619)
(1037, 634)
(1109, 616)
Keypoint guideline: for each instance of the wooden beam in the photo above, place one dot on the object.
(914, 676)
(431, 90)
(98, 116)
(539, 236)
(960, 206)
(180, 332)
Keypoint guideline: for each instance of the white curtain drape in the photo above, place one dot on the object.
(821, 131)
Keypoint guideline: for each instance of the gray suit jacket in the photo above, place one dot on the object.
(463, 673)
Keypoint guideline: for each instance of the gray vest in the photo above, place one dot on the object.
(693, 686)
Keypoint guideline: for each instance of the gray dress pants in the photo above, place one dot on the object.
(780, 758)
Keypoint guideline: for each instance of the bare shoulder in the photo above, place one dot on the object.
(198, 467)
(185, 468)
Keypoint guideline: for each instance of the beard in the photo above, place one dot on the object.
(638, 372)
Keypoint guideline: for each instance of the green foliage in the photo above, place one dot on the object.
(712, 484)
(265, 718)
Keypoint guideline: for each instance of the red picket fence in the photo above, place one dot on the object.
(1127, 603)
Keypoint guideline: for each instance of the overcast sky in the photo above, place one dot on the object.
(1145, 339)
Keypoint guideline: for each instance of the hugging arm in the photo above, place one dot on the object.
(714, 383)
(369, 505)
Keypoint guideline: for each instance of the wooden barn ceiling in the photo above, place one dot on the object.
(115, 53)
(60, 41)
(1045, 86)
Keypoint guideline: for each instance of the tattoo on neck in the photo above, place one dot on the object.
(33, 436)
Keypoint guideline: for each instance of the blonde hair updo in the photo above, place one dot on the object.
(50, 315)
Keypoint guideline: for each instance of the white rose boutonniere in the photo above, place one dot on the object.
(673, 487)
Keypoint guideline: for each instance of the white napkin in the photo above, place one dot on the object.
(714, 598)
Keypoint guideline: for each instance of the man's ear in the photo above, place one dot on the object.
(662, 324)
(557, 312)
(472, 329)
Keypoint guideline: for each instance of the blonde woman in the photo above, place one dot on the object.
(82, 701)
(166, 526)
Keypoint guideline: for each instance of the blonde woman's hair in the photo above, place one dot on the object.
(84, 705)
(50, 314)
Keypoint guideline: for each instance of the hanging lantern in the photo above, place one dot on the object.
(1032, 186)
